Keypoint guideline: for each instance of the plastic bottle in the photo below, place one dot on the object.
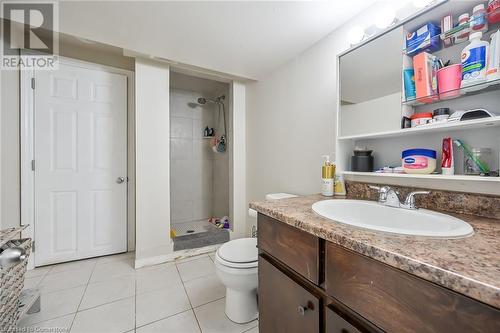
(328, 177)
(478, 21)
(493, 71)
(463, 20)
(493, 11)
(474, 59)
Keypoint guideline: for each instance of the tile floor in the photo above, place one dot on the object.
(108, 295)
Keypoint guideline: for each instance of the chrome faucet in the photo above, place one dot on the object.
(410, 199)
(390, 197)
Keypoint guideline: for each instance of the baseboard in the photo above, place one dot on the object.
(177, 255)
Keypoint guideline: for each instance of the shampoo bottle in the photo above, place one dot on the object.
(328, 177)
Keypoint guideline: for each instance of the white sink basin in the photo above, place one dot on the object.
(374, 216)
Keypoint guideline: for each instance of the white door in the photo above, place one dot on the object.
(80, 140)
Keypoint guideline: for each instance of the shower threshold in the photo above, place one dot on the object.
(196, 234)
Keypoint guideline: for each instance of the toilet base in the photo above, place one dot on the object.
(241, 306)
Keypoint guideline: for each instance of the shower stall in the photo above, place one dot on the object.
(200, 149)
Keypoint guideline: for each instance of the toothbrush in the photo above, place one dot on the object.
(481, 165)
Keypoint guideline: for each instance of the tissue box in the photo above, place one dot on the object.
(426, 66)
(424, 39)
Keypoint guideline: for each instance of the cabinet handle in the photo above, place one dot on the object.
(302, 309)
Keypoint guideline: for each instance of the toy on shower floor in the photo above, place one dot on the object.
(222, 223)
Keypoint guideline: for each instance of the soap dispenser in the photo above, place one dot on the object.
(328, 177)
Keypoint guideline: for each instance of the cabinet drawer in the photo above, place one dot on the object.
(337, 324)
(400, 302)
(295, 248)
(285, 306)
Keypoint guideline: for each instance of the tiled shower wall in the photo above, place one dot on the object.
(194, 196)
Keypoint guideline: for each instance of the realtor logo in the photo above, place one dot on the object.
(28, 36)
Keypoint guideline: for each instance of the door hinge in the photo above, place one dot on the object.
(32, 165)
(32, 83)
(33, 246)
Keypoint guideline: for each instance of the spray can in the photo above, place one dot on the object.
(328, 177)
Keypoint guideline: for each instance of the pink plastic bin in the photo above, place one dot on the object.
(449, 79)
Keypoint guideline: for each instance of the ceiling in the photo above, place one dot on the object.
(246, 39)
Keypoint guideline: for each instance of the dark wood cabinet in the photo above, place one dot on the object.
(381, 294)
(284, 305)
(299, 250)
(307, 284)
(336, 324)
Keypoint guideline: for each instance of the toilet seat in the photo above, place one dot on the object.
(238, 253)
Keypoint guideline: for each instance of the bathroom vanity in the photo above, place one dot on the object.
(317, 275)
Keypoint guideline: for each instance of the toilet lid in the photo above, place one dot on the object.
(239, 250)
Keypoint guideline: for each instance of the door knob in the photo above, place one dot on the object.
(120, 180)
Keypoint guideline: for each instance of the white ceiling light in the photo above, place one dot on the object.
(355, 35)
(385, 17)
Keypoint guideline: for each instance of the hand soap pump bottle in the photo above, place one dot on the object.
(328, 176)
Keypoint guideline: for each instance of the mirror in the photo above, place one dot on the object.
(370, 85)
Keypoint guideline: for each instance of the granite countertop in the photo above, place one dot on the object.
(470, 266)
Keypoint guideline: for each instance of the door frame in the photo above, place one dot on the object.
(27, 152)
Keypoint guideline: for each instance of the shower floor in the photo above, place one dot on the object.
(195, 234)
(192, 227)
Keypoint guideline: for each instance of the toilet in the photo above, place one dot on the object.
(236, 266)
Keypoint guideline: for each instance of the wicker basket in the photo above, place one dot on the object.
(11, 285)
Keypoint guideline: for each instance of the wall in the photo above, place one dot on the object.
(291, 119)
(9, 165)
(153, 242)
(192, 160)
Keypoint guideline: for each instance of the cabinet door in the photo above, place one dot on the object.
(285, 306)
(337, 324)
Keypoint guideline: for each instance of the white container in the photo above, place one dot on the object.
(474, 60)
(493, 71)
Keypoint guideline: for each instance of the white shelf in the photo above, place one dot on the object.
(425, 176)
(436, 127)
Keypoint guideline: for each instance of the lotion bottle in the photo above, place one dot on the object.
(328, 177)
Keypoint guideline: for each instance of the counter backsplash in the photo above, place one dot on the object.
(454, 202)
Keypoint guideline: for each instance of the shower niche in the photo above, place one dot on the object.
(200, 153)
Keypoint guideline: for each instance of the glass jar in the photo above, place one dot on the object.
(483, 154)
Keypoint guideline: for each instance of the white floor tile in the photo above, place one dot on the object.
(184, 322)
(55, 305)
(212, 319)
(212, 256)
(64, 280)
(204, 289)
(116, 317)
(108, 291)
(61, 324)
(32, 282)
(109, 270)
(87, 264)
(160, 304)
(180, 261)
(114, 257)
(157, 277)
(196, 268)
(39, 271)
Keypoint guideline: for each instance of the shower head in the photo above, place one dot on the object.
(204, 100)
